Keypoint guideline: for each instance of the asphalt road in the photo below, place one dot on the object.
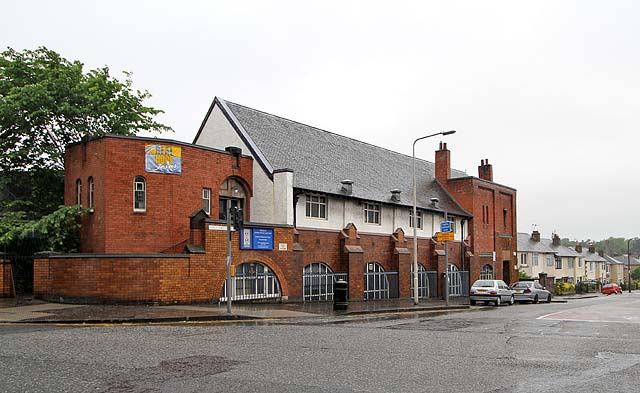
(588, 345)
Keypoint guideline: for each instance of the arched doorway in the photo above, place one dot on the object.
(253, 281)
(317, 282)
(230, 194)
(376, 283)
(423, 281)
(455, 281)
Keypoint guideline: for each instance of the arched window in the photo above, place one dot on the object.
(376, 283)
(423, 281)
(486, 273)
(318, 280)
(253, 280)
(79, 192)
(139, 194)
(230, 194)
(455, 281)
(90, 181)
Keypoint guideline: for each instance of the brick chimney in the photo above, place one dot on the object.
(535, 236)
(556, 239)
(443, 163)
(579, 248)
(485, 170)
(592, 248)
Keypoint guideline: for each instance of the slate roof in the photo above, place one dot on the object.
(623, 259)
(611, 260)
(590, 256)
(321, 160)
(527, 244)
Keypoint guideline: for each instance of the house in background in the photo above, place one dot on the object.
(537, 255)
(595, 265)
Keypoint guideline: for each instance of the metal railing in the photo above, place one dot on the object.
(380, 285)
(319, 286)
(256, 287)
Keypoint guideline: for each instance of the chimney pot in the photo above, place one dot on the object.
(535, 235)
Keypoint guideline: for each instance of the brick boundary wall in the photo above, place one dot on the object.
(121, 278)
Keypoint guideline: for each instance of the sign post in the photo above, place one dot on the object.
(446, 234)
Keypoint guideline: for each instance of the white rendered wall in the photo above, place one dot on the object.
(342, 211)
(219, 133)
(283, 197)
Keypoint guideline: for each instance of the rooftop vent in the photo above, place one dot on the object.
(395, 195)
(347, 187)
(236, 151)
(435, 203)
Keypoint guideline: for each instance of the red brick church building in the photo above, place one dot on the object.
(317, 207)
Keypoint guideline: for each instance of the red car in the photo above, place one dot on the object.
(608, 289)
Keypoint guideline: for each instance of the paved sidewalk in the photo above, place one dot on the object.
(26, 310)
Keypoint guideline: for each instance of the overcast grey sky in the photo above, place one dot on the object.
(546, 90)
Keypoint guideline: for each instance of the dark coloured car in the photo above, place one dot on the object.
(530, 291)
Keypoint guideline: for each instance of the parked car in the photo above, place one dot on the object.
(490, 291)
(608, 289)
(530, 291)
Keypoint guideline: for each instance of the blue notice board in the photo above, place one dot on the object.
(256, 239)
(262, 238)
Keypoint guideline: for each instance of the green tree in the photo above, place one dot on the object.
(635, 274)
(46, 103)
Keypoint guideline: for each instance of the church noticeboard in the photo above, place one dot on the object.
(163, 159)
(256, 239)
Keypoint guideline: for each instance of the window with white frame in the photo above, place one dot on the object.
(523, 259)
(549, 260)
(591, 266)
(79, 192)
(316, 206)
(206, 200)
(139, 194)
(558, 262)
(579, 262)
(534, 260)
(419, 218)
(372, 213)
(486, 273)
(570, 263)
(90, 181)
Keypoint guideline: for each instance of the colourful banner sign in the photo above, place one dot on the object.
(163, 159)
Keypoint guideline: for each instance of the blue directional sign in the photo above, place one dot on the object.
(446, 226)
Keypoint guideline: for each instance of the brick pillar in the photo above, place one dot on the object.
(354, 256)
(402, 262)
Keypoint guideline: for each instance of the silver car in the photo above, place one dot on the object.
(490, 291)
(530, 291)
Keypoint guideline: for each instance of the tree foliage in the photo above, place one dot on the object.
(635, 274)
(47, 102)
(59, 229)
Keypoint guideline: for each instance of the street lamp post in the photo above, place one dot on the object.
(629, 262)
(415, 216)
